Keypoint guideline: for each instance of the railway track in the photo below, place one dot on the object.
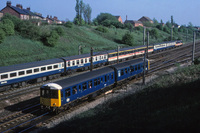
(31, 117)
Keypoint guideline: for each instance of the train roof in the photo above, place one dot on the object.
(83, 77)
(128, 63)
(29, 65)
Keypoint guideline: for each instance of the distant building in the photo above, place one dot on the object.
(145, 19)
(119, 19)
(1, 15)
(53, 20)
(134, 23)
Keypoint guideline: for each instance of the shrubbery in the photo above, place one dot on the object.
(2, 35)
(69, 24)
(127, 39)
(102, 29)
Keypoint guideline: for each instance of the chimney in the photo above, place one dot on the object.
(50, 16)
(55, 18)
(8, 3)
(28, 8)
(47, 16)
(18, 5)
(21, 6)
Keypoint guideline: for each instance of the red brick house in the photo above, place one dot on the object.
(1, 15)
(145, 19)
(119, 19)
(134, 23)
(18, 11)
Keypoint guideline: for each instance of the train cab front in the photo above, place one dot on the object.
(50, 97)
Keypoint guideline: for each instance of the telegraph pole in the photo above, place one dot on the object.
(144, 67)
(79, 50)
(171, 33)
(144, 36)
(147, 44)
(193, 48)
(91, 59)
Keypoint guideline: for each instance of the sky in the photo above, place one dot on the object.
(183, 11)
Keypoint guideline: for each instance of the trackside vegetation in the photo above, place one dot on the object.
(170, 104)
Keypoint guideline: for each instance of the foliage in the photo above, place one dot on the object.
(107, 20)
(154, 33)
(128, 26)
(52, 39)
(8, 27)
(102, 29)
(69, 24)
(2, 35)
(127, 39)
(87, 11)
(139, 28)
(59, 30)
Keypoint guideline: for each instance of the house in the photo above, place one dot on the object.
(134, 23)
(119, 19)
(20, 12)
(1, 15)
(15, 11)
(145, 19)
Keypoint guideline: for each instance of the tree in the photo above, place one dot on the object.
(79, 11)
(127, 39)
(8, 27)
(172, 20)
(87, 10)
(52, 39)
(2, 35)
(154, 33)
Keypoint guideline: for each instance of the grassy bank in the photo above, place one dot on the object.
(170, 105)
(16, 49)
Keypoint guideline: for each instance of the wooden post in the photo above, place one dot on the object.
(147, 44)
(144, 67)
(144, 36)
(193, 48)
(79, 50)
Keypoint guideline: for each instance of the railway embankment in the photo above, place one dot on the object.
(169, 103)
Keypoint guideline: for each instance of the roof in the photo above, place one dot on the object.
(29, 65)
(147, 18)
(83, 77)
(128, 63)
(53, 86)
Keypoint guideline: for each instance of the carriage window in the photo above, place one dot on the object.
(49, 67)
(74, 90)
(95, 82)
(21, 73)
(104, 56)
(101, 79)
(98, 81)
(67, 92)
(36, 70)
(85, 60)
(105, 78)
(122, 72)
(55, 66)
(108, 77)
(28, 71)
(84, 86)
(43, 68)
(77, 62)
(90, 84)
(138, 67)
(79, 87)
(126, 70)
(68, 63)
(4, 76)
(61, 94)
(81, 61)
(13, 74)
(73, 63)
(135, 68)
(111, 75)
(96, 58)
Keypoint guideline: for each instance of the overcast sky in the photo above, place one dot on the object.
(183, 11)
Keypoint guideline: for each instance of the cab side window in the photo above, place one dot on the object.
(67, 92)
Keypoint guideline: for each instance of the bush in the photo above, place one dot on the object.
(69, 24)
(59, 30)
(127, 39)
(8, 27)
(2, 35)
(154, 33)
(102, 29)
(52, 39)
